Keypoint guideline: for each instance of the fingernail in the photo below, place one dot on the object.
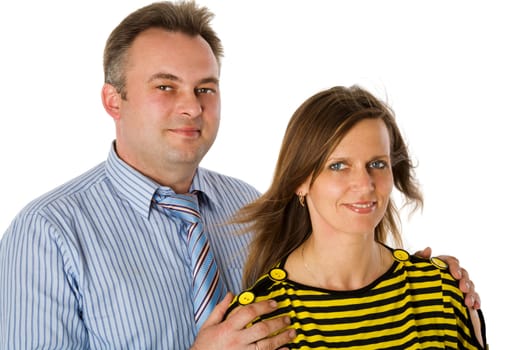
(292, 334)
(467, 285)
(273, 303)
(288, 320)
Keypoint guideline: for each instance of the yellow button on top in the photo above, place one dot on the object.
(277, 274)
(401, 255)
(437, 262)
(246, 298)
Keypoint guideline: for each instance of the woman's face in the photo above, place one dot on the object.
(352, 192)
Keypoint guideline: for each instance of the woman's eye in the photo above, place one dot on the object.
(377, 164)
(337, 166)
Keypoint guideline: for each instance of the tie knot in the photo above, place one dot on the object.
(184, 206)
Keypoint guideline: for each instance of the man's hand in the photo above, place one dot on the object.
(472, 299)
(232, 333)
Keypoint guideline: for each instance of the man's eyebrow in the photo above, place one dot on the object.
(209, 80)
(169, 76)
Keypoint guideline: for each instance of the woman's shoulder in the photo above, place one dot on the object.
(421, 271)
(264, 288)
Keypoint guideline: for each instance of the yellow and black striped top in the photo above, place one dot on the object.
(416, 304)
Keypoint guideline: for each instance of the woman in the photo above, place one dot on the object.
(324, 232)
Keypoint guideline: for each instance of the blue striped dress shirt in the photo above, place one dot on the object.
(93, 265)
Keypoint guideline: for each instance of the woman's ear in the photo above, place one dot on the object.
(111, 100)
(303, 189)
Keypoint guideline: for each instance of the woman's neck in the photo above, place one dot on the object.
(338, 265)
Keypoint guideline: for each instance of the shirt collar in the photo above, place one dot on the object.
(130, 184)
(139, 189)
(201, 183)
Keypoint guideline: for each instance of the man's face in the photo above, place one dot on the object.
(171, 114)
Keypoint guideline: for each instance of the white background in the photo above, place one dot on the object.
(452, 70)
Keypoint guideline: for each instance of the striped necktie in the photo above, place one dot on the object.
(208, 288)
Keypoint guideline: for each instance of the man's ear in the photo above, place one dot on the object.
(111, 100)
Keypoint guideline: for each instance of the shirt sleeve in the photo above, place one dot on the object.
(39, 306)
(466, 336)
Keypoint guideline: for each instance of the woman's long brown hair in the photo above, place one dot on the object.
(277, 220)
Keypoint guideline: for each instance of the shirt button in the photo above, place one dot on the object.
(246, 298)
(400, 255)
(437, 262)
(277, 274)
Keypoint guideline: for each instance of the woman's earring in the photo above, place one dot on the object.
(301, 196)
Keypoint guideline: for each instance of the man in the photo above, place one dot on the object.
(98, 263)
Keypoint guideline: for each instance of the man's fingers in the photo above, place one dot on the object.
(472, 300)
(465, 284)
(243, 315)
(453, 266)
(264, 329)
(233, 332)
(218, 312)
(425, 253)
(277, 341)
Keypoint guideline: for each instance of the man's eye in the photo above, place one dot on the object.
(377, 164)
(165, 88)
(204, 91)
(337, 166)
